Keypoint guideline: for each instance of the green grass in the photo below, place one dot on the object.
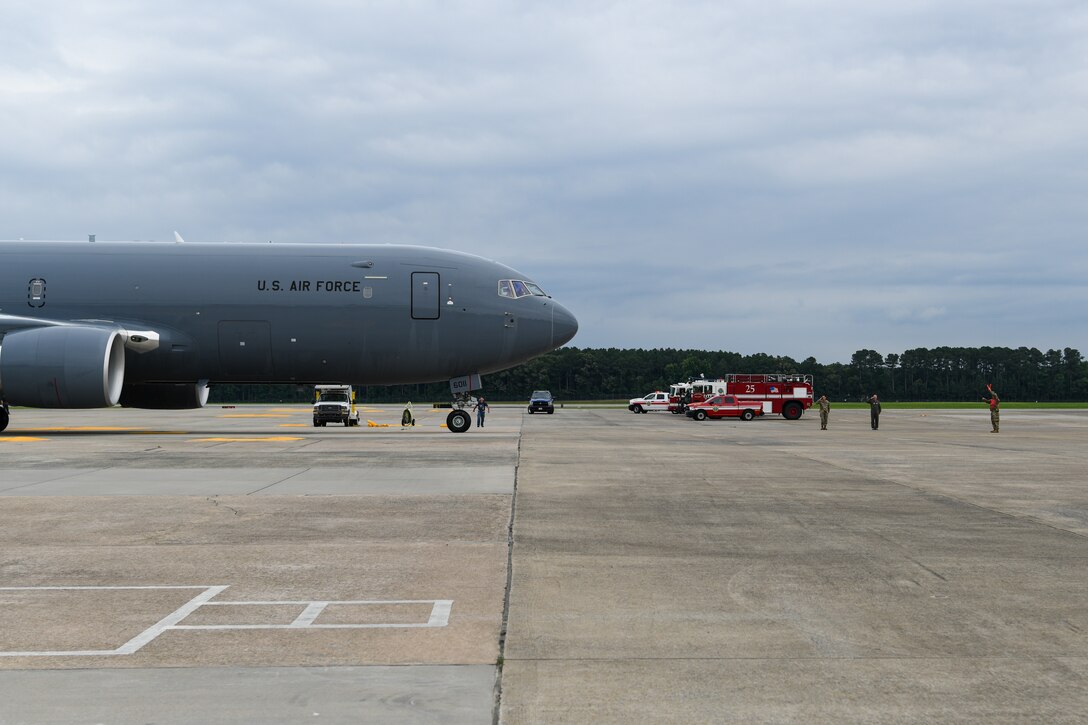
(886, 405)
(980, 405)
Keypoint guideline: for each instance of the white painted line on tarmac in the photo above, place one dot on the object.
(439, 616)
(168, 622)
(440, 613)
(312, 611)
(134, 644)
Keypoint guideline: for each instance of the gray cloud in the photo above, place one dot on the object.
(792, 178)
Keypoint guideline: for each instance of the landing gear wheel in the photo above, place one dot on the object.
(458, 421)
(792, 410)
(700, 415)
(747, 415)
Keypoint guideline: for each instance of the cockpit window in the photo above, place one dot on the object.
(519, 288)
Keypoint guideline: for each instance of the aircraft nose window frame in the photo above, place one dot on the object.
(516, 288)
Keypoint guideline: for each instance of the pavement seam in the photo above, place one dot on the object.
(276, 483)
(509, 583)
(77, 474)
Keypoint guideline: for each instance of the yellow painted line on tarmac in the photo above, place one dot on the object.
(294, 425)
(254, 415)
(261, 439)
(20, 439)
(107, 429)
(97, 428)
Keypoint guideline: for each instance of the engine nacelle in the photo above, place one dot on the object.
(66, 366)
(165, 396)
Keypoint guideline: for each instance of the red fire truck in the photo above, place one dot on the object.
(789, 394)
(682, 395)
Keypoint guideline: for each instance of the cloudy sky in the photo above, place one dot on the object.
(796, 178)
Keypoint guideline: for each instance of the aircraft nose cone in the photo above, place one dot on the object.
(564, 326)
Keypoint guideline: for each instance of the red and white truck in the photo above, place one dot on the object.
(656, 400)
(787, 394)
(725, 406)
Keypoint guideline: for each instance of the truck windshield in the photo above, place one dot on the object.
(334, 398)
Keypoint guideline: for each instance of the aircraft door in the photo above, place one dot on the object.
(245, 349)
(425, 296)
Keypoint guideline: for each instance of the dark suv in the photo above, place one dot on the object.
(541, 400)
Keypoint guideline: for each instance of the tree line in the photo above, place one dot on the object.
(920, 374)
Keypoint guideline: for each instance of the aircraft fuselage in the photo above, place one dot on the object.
(366, 314)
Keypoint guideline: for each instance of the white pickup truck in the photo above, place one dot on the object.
(335, 404)
(656, 400)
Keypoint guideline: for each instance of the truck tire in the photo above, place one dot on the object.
(317, 423)
(699, 415)
(530, 410)
(637, 409)
(747, 415)
(792, 410)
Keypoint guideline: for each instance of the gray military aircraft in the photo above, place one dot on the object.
(151, 325)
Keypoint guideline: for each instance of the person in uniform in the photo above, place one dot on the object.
(825, 410)
(874, 412)
(995, 408)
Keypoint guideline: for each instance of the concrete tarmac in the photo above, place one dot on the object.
(239, 565)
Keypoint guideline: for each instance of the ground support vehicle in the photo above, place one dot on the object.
(541, 401)
(656, 400)
(724, 406)
(334, 404)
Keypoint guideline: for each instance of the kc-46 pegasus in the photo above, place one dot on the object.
(152, 325)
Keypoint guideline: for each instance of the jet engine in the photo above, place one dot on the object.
(165, 396)
(66, 366)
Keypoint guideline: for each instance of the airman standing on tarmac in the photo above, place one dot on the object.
(825, 410)
(995, 409)
(874, 412)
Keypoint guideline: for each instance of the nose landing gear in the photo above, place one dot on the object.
(458, 421)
